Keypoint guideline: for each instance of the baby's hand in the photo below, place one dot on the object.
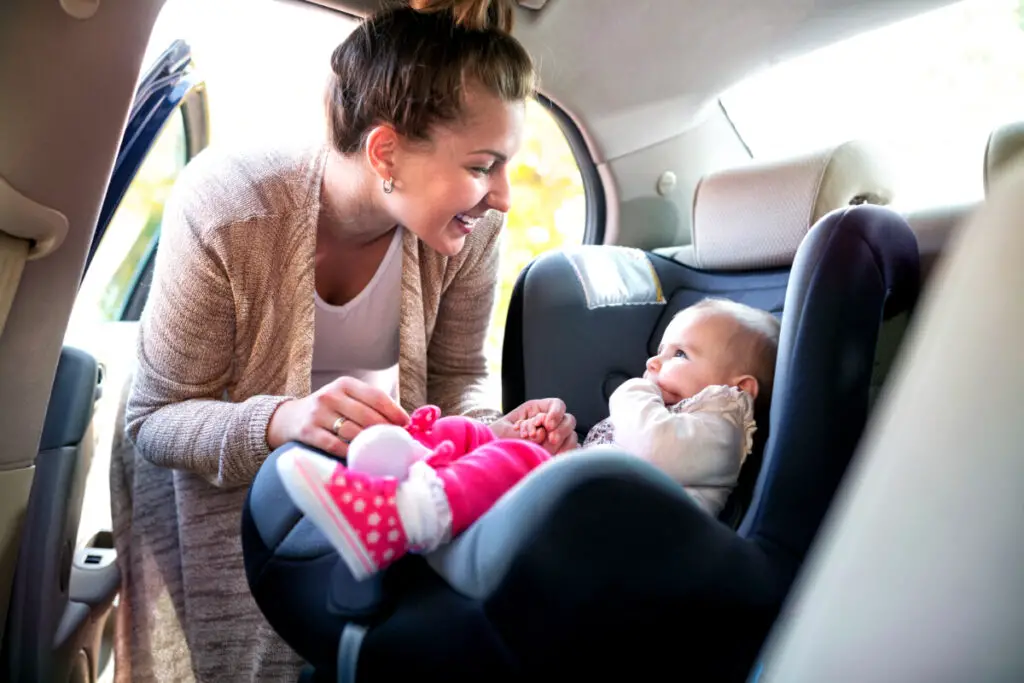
(532, 429)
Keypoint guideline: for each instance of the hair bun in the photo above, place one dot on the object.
(474, 15)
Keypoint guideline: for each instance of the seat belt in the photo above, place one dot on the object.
(28, 230)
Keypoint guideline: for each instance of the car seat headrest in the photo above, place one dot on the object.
(1004, 151)
(755, 216)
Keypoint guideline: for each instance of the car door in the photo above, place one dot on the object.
(166, 128)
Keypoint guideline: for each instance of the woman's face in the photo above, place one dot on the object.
(442, 188)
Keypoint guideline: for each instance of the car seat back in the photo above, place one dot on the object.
(856, 268)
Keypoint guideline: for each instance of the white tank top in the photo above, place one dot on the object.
(360, 338)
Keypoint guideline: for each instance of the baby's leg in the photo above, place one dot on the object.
(448, 438)
(465, 434)
(475, 482)
(387, 450)
(431, 430)
(372, 521)
(384, 451)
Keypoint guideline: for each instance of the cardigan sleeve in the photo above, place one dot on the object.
(177, 414)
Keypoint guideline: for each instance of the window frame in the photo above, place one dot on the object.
(596, 212)
(171, 84)
(195, 120)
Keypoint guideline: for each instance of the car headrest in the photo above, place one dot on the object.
(755, 216)
(1005, 149)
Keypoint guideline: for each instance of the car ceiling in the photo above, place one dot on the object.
(639, 72)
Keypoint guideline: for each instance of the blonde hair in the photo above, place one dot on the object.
(409, 66)
(755, 348)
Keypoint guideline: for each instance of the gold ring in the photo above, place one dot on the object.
(337, 425)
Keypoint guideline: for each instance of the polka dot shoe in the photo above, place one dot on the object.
(357, 512)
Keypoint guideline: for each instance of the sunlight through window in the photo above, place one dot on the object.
(927, 90)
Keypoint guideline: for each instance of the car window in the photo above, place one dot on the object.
(928, 90)
(132, 232)
(548, 211)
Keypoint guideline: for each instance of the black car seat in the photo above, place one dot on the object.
(546, 579)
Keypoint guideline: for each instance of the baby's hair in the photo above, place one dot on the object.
(757, 349)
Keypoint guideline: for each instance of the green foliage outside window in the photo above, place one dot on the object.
(548, 211)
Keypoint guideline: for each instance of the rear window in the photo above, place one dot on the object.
(928, 90)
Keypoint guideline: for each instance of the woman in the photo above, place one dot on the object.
(305, 295)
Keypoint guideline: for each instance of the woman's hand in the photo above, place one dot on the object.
(348, 403)
(559, 425)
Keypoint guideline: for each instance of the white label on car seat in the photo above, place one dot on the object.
(615, 276)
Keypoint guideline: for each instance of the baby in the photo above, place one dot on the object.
(412, 489)
(692, 413)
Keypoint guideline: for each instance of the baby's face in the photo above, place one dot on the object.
(693, 355)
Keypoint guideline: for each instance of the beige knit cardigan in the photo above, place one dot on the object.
(227, 334)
